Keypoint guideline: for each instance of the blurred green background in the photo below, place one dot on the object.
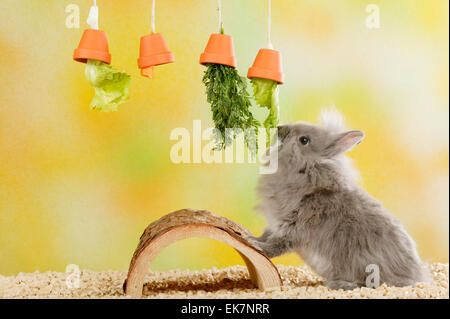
(79, 187)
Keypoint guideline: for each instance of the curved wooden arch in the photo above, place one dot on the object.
(188, 223)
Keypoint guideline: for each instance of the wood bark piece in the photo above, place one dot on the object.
(189, 223)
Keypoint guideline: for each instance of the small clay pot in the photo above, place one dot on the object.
(219, 50)
(267, 65)
(93, 46)
(154, 51)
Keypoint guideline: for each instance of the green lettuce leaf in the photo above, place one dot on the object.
(265, 93)
(111, 86)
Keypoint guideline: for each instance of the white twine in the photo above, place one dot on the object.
(269, 24)
(219, 8)
(153, 17)
(92, 19)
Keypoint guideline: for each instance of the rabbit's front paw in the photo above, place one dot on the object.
(254, 242)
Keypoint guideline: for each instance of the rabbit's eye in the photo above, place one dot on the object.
(304, 140)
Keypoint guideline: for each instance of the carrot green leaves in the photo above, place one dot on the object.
(230, 101)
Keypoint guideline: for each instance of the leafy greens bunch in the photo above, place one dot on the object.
(230, 101)
(265, 93)
(111, 86)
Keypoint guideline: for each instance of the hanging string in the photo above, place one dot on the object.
(153, 17)
(92, 19)
(219, 8)
(148, 72)
(269, 24)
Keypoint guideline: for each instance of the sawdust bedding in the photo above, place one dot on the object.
(231, 282)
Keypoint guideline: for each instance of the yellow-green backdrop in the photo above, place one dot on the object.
(79, 187)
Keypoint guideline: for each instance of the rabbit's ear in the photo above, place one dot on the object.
(344, 142)
(283, 131)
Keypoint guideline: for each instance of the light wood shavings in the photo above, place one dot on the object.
(231, 282)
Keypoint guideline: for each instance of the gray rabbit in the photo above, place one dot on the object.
(315, 207)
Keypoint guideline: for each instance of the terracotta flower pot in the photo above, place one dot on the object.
(220, 50)
(154, 51)
(267, 65)
(93, 46)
